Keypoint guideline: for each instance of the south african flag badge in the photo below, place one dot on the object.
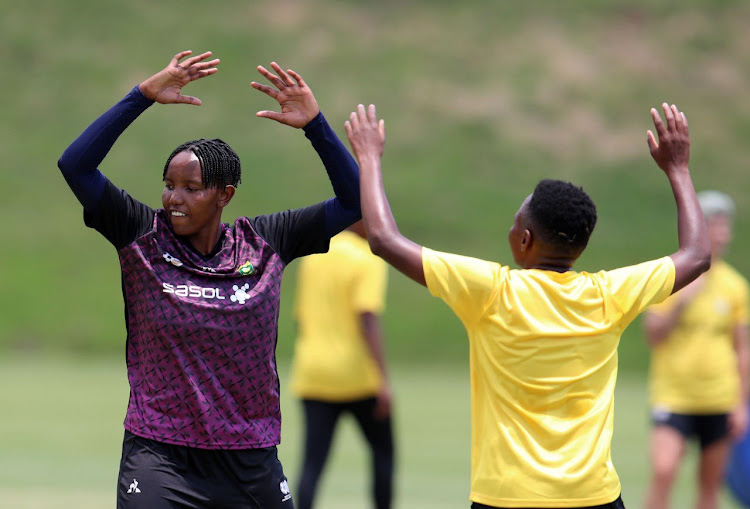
(246, 269)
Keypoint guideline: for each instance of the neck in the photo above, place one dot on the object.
(204, 242)
(554, 263)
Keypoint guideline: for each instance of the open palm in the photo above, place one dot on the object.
(297, 102)
(165, 87)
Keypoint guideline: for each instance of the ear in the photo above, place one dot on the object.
(225, 196)
(526, 241)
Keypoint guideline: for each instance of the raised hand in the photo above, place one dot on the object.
(672, 151)
(365, 132)
(165, 86)
(298, 104)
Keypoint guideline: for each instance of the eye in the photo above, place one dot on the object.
(169, 187)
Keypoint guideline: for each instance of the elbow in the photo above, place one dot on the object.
(62, 164)
(705, 264)
(704, 260)
(383, 242)
(66, 166)
(378, 243)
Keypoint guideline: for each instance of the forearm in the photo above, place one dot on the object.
(743, 360)
(694, 254)
(342, 171)
(79, 162)
(382, 232)
(372, 332)
(658, 327)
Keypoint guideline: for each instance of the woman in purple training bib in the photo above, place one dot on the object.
(202, 298)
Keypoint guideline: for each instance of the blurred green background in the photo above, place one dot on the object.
(481, 100)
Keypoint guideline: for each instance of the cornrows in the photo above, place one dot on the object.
(220, 165)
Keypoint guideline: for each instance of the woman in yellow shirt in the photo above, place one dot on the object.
(699, 367)
(543, 339)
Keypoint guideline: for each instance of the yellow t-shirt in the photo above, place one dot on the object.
(543, 357)
(332, 361)
(694, 370)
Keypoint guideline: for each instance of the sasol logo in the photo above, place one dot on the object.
(193, 291)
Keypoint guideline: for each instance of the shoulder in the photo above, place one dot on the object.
(432, 257)
(728, 276)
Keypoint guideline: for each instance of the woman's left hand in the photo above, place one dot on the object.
(298, 104)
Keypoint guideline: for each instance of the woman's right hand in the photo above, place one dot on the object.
(165, 86)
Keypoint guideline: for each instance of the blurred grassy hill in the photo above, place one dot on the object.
(481, 100)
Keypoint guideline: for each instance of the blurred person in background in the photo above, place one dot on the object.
(738, 469)
(202, 298)
(339, 362)
(699, 367)
(543, 339)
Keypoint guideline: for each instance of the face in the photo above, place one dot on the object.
(193, 209)
(518, 236)
(720, 234)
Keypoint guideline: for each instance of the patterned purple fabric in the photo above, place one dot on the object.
(202, 339)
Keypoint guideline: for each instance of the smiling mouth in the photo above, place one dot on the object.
(177, 213)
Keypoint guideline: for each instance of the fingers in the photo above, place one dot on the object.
(205, 65)
(204, 73)
(270, 91)
(685, 125)
(288, 81)
(364, 118)
(188, 99)
(354, 119)
(678, 116)
(297, 78)
(273, 115)
(658, 124)
(194, 60)
(652, 145)
(179, 56)
(669, 116)
(271, 77)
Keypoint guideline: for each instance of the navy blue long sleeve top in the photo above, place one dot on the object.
(79, 163)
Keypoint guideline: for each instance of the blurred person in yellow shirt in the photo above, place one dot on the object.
(542, 339)
(699, 367)
(339, 363)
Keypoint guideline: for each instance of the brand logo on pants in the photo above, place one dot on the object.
(284, 487)
(134, 487)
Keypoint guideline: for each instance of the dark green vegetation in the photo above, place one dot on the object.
(481, 100)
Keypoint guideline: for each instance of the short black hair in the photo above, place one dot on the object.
(563, 214)
(220, 165)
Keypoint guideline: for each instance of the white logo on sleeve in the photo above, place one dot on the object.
(134, 487)
(240, 295)
(284, 487)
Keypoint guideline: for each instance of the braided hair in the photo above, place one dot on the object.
(220, 165)
(563, 214)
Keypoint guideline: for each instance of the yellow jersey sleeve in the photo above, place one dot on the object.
(369, 287)
(637, 287)
(465, 284)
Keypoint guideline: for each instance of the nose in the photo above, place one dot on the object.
(175, 197)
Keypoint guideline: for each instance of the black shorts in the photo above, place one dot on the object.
(617, 504)
(154, 475)
(708, 428)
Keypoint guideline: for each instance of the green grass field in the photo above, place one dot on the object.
(61, 431)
